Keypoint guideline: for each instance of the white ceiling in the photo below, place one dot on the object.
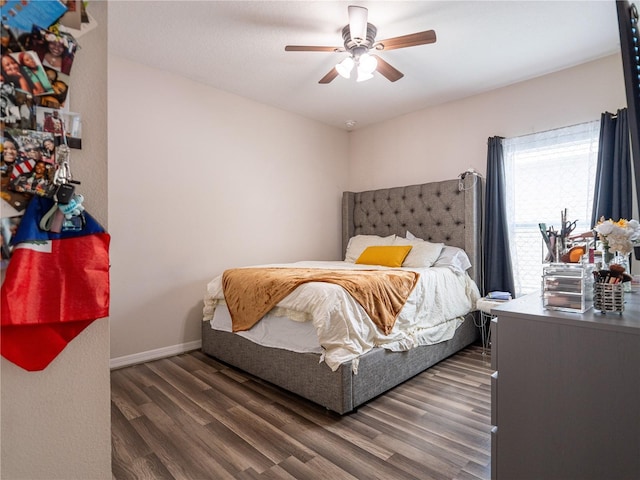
(238, 46)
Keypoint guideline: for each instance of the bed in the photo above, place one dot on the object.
(447, 212)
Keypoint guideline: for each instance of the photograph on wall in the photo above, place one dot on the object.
(22, 15)
(33, 72)
(39, 181)
(27, 106)
(32, 168)
(66, 127)
(84, 16)
(73, 17)
(17, 108)
(60, 84)
(9, 110)
(15, 202)
(56, 50)
(8, 228)
(25, 73)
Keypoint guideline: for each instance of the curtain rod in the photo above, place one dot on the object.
(550, 130)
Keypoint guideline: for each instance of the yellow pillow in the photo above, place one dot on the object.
(388, 255)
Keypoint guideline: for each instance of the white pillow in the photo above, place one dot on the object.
(422, 253)
(454, 258)
(359, 243)
(411, 236)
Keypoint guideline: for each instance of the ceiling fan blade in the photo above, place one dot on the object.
(311, 48)
(387, 70)
(333, 73)
(411, 40)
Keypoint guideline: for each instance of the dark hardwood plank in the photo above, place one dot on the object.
(192, 417)
(148, 467)
(126, 395)
(126, 445)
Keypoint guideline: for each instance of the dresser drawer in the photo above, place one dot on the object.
(494, 397)
(494, 453)
(494, 343)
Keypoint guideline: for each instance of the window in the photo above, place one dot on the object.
(546, 173)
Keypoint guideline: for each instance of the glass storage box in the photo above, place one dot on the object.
(568, 286)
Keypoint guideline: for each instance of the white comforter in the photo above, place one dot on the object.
(434, 310)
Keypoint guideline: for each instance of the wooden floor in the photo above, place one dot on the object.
(190, 417)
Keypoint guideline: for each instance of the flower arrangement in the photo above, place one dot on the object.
(619, 236)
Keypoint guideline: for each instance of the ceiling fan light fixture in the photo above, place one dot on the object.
(362, 76)
(358, 23)
(345, 66)
(367, 63)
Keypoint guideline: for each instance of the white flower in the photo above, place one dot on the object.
(618, 236)
(605, 228)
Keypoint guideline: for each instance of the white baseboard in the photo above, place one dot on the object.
(156, 354)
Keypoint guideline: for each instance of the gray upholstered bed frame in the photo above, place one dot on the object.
(438, 212)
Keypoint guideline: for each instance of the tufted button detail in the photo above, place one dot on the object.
(438, 193)
(447, 208)
(438, 223)
(447, 238)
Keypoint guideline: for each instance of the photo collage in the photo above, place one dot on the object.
(36, 64)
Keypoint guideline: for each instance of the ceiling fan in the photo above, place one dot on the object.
(359, 39)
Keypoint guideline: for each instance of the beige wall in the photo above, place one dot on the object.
(440, 142)
(201, 180)
(56, 423)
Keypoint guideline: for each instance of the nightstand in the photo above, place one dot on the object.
(485, 305)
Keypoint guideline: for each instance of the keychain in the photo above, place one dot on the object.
(63, 178)
(66, 212)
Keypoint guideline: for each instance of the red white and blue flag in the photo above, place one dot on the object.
(55, 286)
(22, 168)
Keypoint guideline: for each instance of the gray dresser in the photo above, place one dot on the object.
(565, 396)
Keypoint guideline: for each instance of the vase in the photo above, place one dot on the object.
(607, 256)
(623, 260)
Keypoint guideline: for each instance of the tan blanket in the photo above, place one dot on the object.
(251, 292)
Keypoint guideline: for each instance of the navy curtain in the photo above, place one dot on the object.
(613, 192)
(498, 271)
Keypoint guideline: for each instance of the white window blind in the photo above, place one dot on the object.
(546, 173)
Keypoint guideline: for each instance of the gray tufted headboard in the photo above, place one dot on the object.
(437, 212)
